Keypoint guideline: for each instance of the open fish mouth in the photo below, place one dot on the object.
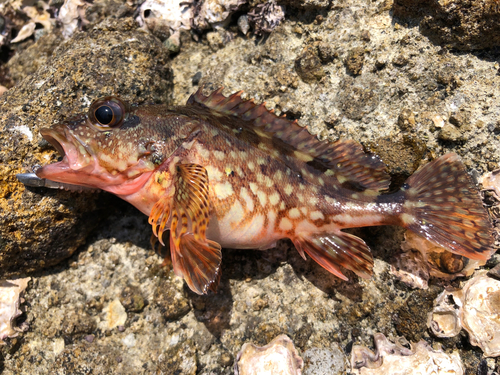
(75, 156)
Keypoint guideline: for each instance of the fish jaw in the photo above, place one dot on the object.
(80, 166)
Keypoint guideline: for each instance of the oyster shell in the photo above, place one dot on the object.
(422, 259)
(491, 181)
(70, 15)
(215, 13)
(444, 320)
(11, 297)
(279, 357)
(396, 359)
(165, 18)
(476, 308)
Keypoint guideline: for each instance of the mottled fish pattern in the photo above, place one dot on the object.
(223, 171)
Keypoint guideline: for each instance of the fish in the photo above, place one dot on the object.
(226, 172)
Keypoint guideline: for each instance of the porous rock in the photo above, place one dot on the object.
(463, 25)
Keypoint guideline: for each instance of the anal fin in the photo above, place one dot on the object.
(331, 250)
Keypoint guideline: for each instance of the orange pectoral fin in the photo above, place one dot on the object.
(194, 257)
(331, 250)
(159, 216)
(198, 263)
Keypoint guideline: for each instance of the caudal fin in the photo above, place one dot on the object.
(443, 206)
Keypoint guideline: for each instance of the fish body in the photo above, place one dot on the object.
(223, 171)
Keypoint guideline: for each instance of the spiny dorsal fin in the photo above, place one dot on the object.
(345, 159)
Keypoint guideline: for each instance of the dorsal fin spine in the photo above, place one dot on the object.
(345, 157)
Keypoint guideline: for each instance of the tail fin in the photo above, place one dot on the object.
(443, 206)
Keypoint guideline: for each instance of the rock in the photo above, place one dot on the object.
(132, 299)
(357, 97)
(402, 156)
(406, 120)
(355, 60)
(457, 24)
(326, 53)
(171, 301)
(308, 65)
(328, 360)
(410, 320)
(39, 227)
(450, 133)
(114, 315)
(307, 4)
(215, 13)
(179, 359)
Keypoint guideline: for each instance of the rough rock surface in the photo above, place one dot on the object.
(406, 88)
(461, 24)
(39, 228)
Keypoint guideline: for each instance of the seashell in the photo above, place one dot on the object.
(266, 17)
(396, 359)
(476, 308)
(25, 32)
(422, 259)
(444, 320)
(36, 16)
(491, 181)
(215, 13)
(69, 15)
(11, 297)
(165, 16)
(279, 357)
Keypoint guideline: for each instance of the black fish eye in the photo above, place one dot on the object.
(109, 112)
(104, 114)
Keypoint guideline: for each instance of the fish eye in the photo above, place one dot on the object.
(104, 114)
(108, 112)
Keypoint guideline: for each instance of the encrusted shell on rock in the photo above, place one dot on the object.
(396, 359)
(71, 13)
(266, 17)
(422, 259)
(11, 298)
(170, 16)
(476, 308)
(491, 181)
(279, 357)
(215, 13)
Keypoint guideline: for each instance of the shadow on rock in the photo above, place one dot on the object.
(465, 26)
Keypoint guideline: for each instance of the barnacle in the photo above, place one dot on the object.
(266, 17)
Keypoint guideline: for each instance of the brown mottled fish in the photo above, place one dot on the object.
(223, 171)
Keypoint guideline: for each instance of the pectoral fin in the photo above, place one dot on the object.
(194, 257)
(331, 250)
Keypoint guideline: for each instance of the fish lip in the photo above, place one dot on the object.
(76, 156)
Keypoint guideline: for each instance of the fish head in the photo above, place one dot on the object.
(108, 148)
